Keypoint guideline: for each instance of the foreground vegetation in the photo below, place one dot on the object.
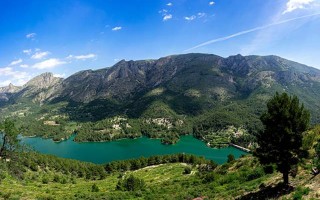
(241, 179)
(285, 146)
(36, 176)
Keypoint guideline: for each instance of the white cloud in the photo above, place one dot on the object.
(6, 71)
(201, 14)
(169, 4)
(211, 3)
(297, 4)
(163, 11)
(15, 62)
(31, 35)
(40, 54)
(117, 28)
(23, 81)
(190, 18)
(27, 51)
(82, 57)
(16, 77)
(24, 66)
(167, 17)
(50, 63)
(5, 83)
(60, 75)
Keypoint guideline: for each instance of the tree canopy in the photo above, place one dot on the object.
(9, 140)
(280, 142)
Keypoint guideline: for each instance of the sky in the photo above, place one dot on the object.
(67, 36)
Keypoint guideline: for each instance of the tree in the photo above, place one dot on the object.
(281, 140)
(95, 188)
(131, 184)
(317, 160)
(9, 140)
(230, 158)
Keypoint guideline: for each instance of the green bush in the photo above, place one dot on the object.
(187, 170)
(300, 192)
(56, 178)
(256, 173)
(230, 158)
(45, 180)
(95, 188)
(131, 184)
(63, 181)
(209, 177)
(268, 169)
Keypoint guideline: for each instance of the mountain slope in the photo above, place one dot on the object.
(190, 89)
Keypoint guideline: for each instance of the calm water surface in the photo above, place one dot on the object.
(102, 152)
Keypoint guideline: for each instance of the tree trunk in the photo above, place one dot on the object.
(286, 177)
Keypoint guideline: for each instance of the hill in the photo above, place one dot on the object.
(240, 179)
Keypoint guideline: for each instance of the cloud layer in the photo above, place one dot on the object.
(47, 64)
(117, 28)
(40, 54)
(31, 35)
(82, 57)
(297, 4)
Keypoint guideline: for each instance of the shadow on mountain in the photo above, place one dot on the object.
(171, 104)
(93, 111)
(270, 192)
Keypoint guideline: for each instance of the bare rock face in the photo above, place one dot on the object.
(41, 88)
(7, 91)
(43, 81)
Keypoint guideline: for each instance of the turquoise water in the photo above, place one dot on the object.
(102, 152)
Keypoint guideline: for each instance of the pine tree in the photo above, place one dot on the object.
(9, 141)
(281, 140)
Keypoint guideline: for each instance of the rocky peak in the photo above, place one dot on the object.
(9, 89)
(44, 80)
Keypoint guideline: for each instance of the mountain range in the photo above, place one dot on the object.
(180, 86)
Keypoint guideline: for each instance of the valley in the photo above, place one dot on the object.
(159, 100)
(201, 94)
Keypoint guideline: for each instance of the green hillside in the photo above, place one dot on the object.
(243, 179)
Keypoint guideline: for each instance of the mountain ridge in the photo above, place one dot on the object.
(188, 92)
(243, 65)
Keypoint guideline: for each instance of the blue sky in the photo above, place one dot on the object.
(66, 36)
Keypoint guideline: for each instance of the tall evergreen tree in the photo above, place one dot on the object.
(8, 141)
(281, 140)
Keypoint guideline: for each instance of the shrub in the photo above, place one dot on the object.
(187, 170)
(209, 177)
(45, 180)
(300, 192)
(56, 178)
(63, 181)
(95, 188)
(131, 184)
(268, 169)
(230, 158)
(257, 173)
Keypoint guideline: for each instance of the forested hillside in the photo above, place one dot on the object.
(201, 94)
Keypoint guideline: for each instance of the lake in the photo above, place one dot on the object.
(103, 152)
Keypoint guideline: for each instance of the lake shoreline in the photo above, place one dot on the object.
(103, 152)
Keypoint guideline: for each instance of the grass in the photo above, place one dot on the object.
(239, 178)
